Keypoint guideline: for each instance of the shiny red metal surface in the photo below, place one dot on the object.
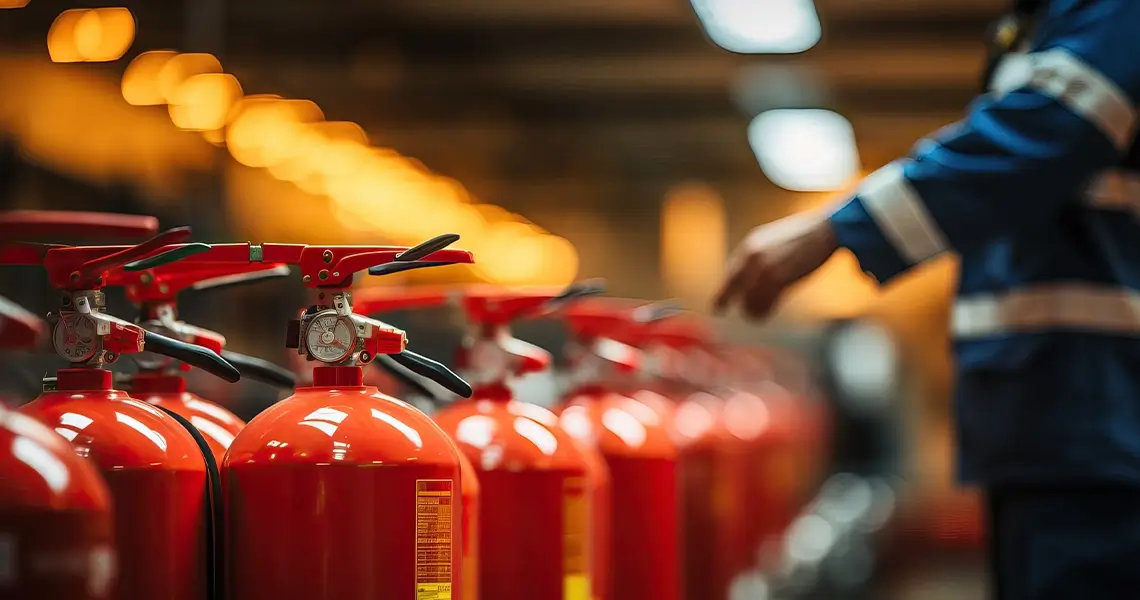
(218, 425)
(48, 224)
(712, 462)
(645, 553)
(156, 475)
(714, 477)
(779, 455)
(342, 493)
(535, 494)
(55, 517)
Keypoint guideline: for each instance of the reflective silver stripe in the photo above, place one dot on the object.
(1115, 189)
(1065, 306)
(1012, 72)
(1061, 75)
(899, 212)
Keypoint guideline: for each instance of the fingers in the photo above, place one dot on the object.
(754, 283)
(733, 283)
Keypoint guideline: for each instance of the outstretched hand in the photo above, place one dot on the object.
(773, 257)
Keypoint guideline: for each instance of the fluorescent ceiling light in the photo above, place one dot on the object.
(760, 26)
(805, 150)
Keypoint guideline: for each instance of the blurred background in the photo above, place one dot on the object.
(634, 140)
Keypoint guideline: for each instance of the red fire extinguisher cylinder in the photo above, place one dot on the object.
(341, 492)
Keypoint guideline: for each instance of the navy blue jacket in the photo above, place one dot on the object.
(1037, 190)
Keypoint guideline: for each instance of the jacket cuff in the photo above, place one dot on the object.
(856, 230)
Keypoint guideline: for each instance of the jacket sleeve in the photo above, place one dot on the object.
(1018, 157)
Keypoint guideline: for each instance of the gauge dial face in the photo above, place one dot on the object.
(330, 339)
(74, 337)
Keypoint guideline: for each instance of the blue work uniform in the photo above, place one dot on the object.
(1037, 190)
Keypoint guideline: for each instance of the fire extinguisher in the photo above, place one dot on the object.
(712, 428)
(55, 510)
(645, 552)
(786, 458)
(538, 484)
(469, 485)
(160, 380)
(341, 492)
(57, 225)
(157, 466)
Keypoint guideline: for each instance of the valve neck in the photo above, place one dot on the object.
(338, 377)
(84, 380)
(158, 383)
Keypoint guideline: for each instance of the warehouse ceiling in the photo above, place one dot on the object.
(537, 101)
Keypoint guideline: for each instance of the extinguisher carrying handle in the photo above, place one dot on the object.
(262, 370)
(196, 356)
(225, 281)
(96, 267)
(28, 225)
(435, 371)
(424, 249)
(166, 257)
(399, 267)
(327, 267)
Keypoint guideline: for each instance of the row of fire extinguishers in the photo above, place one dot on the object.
(668, 466)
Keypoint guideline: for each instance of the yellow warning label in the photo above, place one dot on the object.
(576, 587)
(470, 573)
(575, 536)
(433, 591)
(433, 539)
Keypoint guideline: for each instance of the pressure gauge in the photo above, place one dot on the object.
(74, 337)
(329, 338)
(149, 361)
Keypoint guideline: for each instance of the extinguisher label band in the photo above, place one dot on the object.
(575, 528)
(434, 529)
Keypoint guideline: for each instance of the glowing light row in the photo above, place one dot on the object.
(374, 190)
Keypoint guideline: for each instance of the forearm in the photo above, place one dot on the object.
(1016, 160)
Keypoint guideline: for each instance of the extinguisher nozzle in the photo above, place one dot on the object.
(411, 380)
(193, 355)
(261, 370)
(426, 367)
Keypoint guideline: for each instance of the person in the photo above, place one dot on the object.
(1037, 190)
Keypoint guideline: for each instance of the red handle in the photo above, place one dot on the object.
(85, 267)
(489, 305)
(600, 317)
(320, 266)
(164, 283)
(685, 331)
(19, 329)
(55, 224)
